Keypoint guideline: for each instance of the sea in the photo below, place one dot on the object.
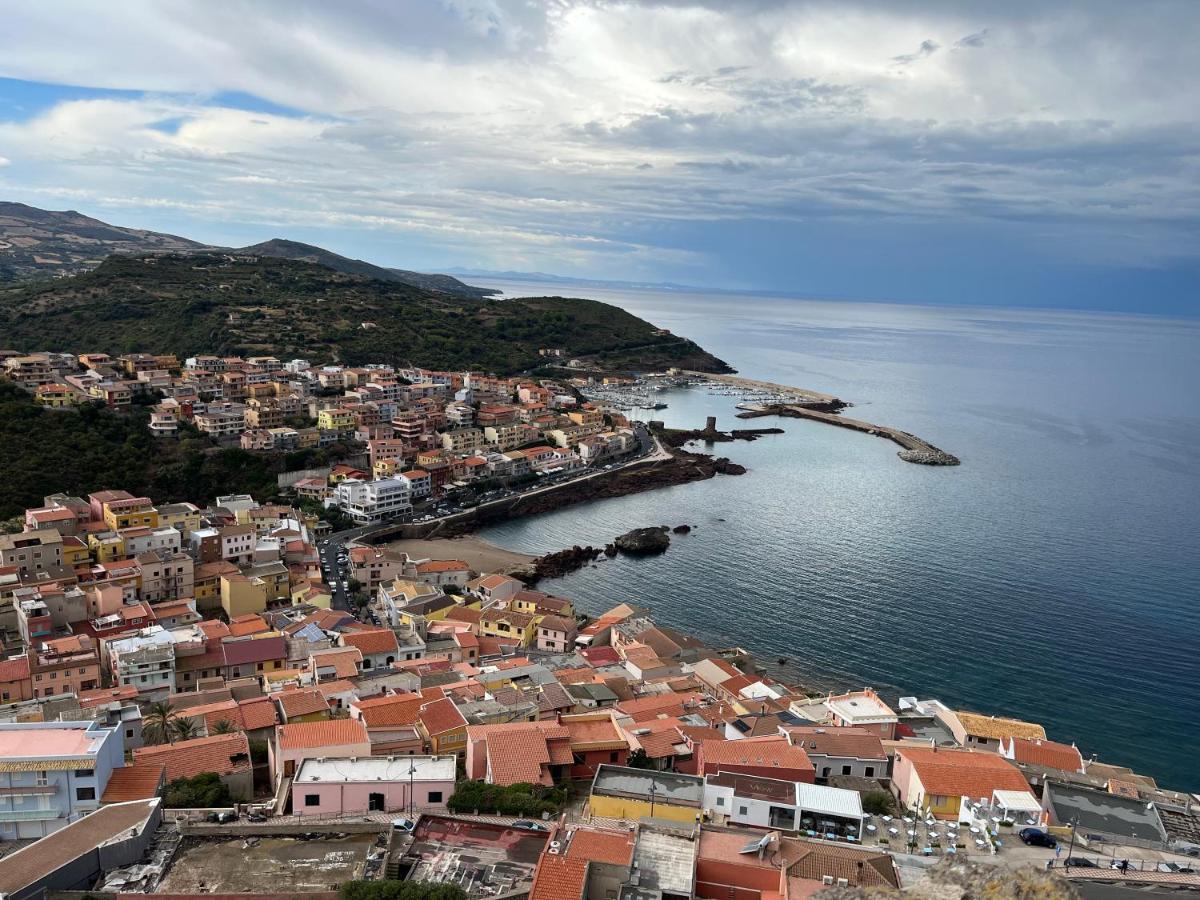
(1053, 576)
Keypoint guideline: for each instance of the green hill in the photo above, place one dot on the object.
(235, 303)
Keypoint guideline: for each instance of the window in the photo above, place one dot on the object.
(846, 770)
(870, 771)
(312, 799)
(612, 757)
(41, 779)
(129, 733)
(435, 796)
(742, 811)
(85, 793)
(720, 801)
(84, 773)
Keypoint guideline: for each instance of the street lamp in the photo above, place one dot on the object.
(653, 791)
(412, 771)
(1071, 851)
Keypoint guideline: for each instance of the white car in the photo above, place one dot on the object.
(403, 824)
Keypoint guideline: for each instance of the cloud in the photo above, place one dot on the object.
(975, 39)
(928, 48)
(626, 139)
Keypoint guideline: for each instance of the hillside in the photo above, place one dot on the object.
(40, 244)
(284, 249)
(209, 302)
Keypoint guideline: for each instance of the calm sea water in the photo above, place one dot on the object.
(1053, 575)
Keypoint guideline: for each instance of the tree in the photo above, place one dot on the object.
(877, 803)
(159, 723)
(203, 791)
(639, 760)
(399, 890)
(185, 729)
(224, 727)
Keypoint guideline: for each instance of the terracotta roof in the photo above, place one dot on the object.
(390, 710)
(598, 733)
(848, 743)
(258, 712)
(655, 705)
(302, 702)
(598, 845)
(344, 663)
(254, 650)
(1047, 754)
(374, 640)
(769, 752)
(660, 745)
(994, 727)
(556, 623)
(962, 773)
(139, 781)
(518, 756)
(441, 716)
(222, 753)
(559, 878)
(14, 669)
(859, 867)
(329, 733)
(248, 624)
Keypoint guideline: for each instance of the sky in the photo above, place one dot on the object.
(1024, 153)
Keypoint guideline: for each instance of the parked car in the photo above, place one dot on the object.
(403, 824)
(1176, 867)
(1035, 837)
(1080, 863)
(527, 825)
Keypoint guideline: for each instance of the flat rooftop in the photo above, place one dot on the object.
(861, 708)
(483, 858)
(669, 787)
(666, 861)
(18, 741)
(375, 768)
(1100, 811)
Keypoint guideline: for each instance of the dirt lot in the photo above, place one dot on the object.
(268, 864)
(474, 551)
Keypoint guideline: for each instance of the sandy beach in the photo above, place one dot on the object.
(474, 551)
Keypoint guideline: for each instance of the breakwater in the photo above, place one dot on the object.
(914, 449)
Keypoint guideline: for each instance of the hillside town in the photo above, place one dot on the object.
(180, 681)
(409, 435)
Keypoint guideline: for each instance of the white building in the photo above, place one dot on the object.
(738, 799)
(374, 501)
(144, 660)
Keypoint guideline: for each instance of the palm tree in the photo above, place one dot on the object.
(159, 723)
(185, 729)
(223, 727)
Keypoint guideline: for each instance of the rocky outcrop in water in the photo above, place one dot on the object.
(643, 541)
(682, 529)
(561, 562)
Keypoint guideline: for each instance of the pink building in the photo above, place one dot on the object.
(346, 786)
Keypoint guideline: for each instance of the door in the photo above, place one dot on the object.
(375, 802)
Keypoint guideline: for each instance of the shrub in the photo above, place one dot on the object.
(399, 890)
(877, 803)
(529, 800)
(204, 791)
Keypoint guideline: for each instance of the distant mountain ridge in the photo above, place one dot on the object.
(39, 243)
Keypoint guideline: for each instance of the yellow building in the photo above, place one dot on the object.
(55, 395)
(336, 419)
(621, 792)
(309, 593)
(241, 595)
(136, 513)
(529, 604)
(507, 623)
(183, 517)
(386, 468)
(106, 546)
(75, 552)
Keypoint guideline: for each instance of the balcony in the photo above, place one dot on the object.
(29, 815)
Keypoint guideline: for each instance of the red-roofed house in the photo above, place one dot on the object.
(938, 781)
(770, 757)
(15, 682)
(226, 754)
(391, 722)
(378, 646)
(1042, 754)
(313, 740)
(443, 727)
